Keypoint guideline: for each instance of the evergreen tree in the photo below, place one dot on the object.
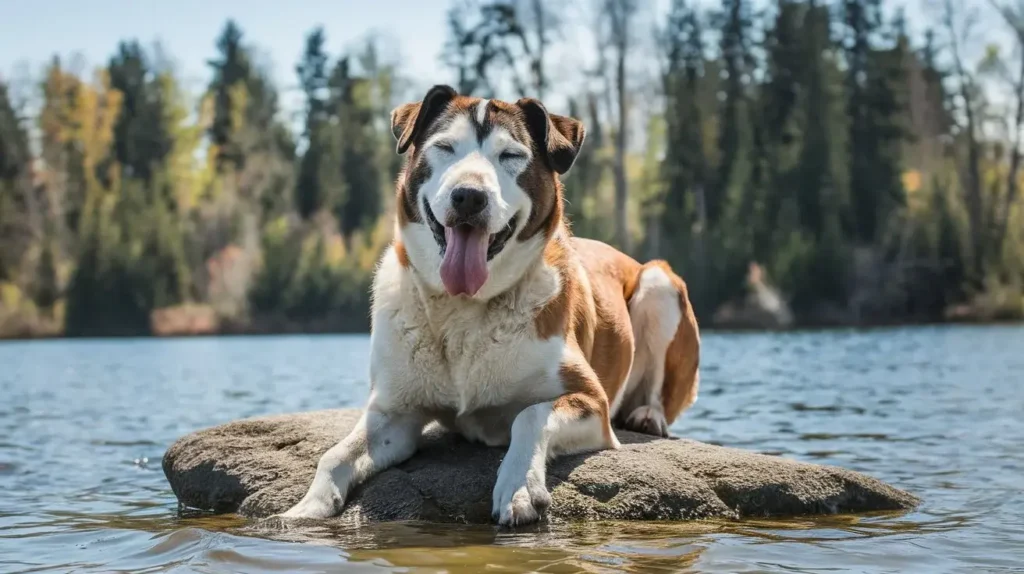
(685, 167)
(310, 195)
(15, 158)
(875, 80)
(253, 148)
(735, 135)
(351, 101)
(140, 140)
(229, 88)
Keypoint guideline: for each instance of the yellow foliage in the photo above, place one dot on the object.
(187, 178)
(239, 97)
(911, 181)
(11, 296)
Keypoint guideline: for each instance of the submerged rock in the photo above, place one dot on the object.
(261, 466)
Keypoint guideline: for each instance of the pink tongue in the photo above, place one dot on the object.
(464, 269)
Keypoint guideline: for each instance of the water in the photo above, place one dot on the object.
(937, 411)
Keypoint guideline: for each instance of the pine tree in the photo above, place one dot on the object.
(15, 157)
(254, 150)
(735, 136)
(685, 167)
(229, 88)
(310, 195)
(351, 101)
(875, 79)
(140, 140)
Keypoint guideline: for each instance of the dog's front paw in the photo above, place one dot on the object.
(519, 500)
(321, 501)
(648, 420)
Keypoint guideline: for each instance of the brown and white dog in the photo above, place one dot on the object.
(489, 318)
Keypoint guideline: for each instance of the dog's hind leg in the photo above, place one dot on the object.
(663, 380)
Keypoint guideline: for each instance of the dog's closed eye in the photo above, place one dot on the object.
(511, 156)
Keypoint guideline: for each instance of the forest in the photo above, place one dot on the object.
(867, 175)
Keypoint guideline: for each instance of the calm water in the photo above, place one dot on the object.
(937, 411)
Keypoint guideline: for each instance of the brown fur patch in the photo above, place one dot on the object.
(539, 180)
(401, 253)
(609, 270)
(584, 396)
(682, 359)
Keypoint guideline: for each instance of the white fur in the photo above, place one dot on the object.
(655, 314)
(379, 440)
(481, 111)
(473, 364)
(539, 433)
(477, 164)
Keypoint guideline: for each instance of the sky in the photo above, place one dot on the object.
(31, 32)
(413, 31)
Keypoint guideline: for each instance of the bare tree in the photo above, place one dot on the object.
(619, 15)
(1013, 15)
(958, 26)
(495, 40)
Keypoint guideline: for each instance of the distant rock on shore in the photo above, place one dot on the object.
(764, 306)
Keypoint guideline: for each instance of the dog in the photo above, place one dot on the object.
(489, 318)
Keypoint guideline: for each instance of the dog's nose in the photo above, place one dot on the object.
(467, 202)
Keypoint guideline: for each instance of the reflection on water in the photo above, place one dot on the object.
(937, 411)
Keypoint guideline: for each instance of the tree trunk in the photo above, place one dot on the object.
(972, 186)
(1012, 187)
(620, 14)
(619, 167)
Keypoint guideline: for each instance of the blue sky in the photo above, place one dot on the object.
(32, 31)
(412, 30)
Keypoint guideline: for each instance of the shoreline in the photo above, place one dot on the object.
(257, 332)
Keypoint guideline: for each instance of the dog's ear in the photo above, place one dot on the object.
(410, 121)
(559, 138)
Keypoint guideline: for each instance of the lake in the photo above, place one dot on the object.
(938, 411)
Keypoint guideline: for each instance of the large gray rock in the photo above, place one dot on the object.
(257, 467)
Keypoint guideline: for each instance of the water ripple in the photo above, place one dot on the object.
(84, 424)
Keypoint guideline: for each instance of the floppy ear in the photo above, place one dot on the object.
(410, 121)
(559, 138)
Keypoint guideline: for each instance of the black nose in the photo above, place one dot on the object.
(467, 202)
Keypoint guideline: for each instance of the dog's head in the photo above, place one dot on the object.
(479, 196)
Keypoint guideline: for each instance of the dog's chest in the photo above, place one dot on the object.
(482, 355)
(460, 356)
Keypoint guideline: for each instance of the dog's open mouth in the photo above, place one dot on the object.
(495, 244)
(465, 251)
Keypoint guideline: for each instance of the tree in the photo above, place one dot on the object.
(1013, 17)
(140, 140)
(620, 15)
(16, 233)
(253, 149)
(310, 192)
(351, 101)
(958, 27)
(685, 166)
(230, 91)
(875, 82)
(735, 135)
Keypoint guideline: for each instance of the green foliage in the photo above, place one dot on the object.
(306, 277)
(141, 141)
(15, 236)
(818, 144)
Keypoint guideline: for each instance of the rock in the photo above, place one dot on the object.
(763, 307)
(261, 466)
